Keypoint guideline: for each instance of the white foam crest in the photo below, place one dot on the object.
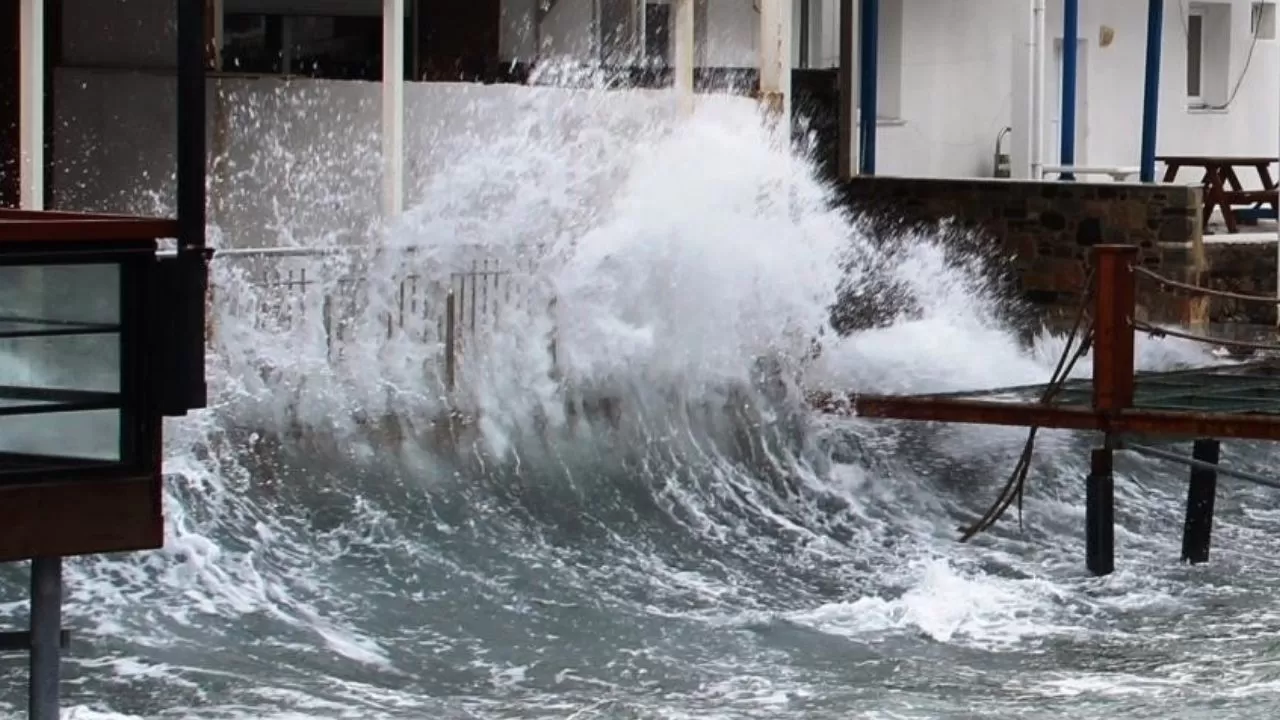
(946, 605)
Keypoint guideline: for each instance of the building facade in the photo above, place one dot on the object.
(949, 79)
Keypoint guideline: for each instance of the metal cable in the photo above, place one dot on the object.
(1195, 463)
(1015, 487)
(1199, 290)
(1154, 331)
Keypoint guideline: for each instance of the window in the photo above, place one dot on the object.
(333, 39)
(889, 58)
(348, 48)
(657, 34)
(1195, 54)
(1208, 33)
(1262, 20)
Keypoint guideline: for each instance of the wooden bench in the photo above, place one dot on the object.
(1223, 189)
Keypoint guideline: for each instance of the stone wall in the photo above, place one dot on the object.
(1247, 267)
(1048, 227)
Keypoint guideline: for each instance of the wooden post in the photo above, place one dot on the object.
(1198, 527)
(848, 161)
(1114, 307)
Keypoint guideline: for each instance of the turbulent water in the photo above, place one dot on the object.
(714, 551)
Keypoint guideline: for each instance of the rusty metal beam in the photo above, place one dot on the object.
(979, 412)
(1062, 417)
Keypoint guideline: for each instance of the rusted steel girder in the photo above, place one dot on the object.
(1061, 417)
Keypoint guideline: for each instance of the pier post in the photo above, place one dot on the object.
(1114, 307)
(1198, 527)
(46, 635)
(1100, 513)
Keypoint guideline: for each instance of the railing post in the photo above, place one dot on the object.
(1114, 306)
(450, 342)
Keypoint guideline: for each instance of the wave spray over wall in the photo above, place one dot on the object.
(643, 520)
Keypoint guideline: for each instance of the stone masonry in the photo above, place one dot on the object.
(1048, 227)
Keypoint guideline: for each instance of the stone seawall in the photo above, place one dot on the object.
(1048, 227)
(1247, 267)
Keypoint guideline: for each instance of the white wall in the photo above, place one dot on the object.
(957, 78)
(1115, 80)
(955, 86)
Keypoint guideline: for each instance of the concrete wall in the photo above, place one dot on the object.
(1049, 227)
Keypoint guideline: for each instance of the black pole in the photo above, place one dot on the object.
(46, 636)
(192, 261)
(1198, 528)
(1099, 514)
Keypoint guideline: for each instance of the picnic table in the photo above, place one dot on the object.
(1222, 186)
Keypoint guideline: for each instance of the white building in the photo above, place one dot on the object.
(949, 73)
(952, 73)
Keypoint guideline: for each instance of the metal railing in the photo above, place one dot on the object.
(457, 304)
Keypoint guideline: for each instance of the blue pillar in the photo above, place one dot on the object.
(1151, 90)
(1070, 34)
(868, 30)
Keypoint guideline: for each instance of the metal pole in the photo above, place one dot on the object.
(1070, 33)
(31, 104)
(1151, 89)
(869, 26)
(1112, 392)
(1037, 90)
(191, 173)
(684, 47)
(392, 107)
(46, 630)
(1197, 529)
(1100, 513)
(775, 61)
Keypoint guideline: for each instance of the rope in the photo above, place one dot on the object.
(1197, 289)
(1154, 331)
(1015, 487)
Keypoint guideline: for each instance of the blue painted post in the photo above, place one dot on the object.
(1151, 90)
(1070, 34)
(868, 27)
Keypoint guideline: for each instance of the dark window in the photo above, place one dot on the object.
(339, 48)
(657, 33)
(1195, 53)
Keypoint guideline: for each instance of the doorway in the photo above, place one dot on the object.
(1053, 88)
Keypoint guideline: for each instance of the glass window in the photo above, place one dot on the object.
(60, 363)
(1195, 54)
(339, 48)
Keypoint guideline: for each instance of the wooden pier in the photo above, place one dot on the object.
(1240, 401)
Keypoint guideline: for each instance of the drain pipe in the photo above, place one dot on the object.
(1037, 89)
